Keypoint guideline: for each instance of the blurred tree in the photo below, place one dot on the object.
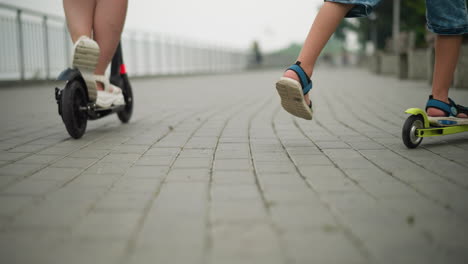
(413, 18)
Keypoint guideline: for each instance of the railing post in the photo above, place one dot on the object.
(67, 46)
(19, 25)
(46, 48)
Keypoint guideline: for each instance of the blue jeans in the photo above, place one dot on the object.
(444, 17)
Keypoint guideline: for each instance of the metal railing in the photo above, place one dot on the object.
(34, 45)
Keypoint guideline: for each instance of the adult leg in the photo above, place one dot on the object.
(109, 20)
(447, 50)
(80, 17)
(325, 24)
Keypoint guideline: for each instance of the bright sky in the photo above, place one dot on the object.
(235, 23)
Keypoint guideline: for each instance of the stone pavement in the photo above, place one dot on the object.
(212, 170)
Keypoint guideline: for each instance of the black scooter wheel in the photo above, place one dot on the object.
(409, 133)
(74, 103)
(126, 113)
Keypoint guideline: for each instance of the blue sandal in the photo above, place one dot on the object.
(292, 93)
(451, 111)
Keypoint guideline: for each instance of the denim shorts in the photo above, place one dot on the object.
(444, 17)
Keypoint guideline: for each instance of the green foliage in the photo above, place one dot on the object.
(412, 18)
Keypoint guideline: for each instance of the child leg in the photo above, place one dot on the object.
(449, 20)
(325, 24)
(109, 20)
(447, 50)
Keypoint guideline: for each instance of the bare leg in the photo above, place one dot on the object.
(109, 20)
(447, 50)
(325, 24)
(80, 16)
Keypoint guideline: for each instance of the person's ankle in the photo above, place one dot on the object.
(100, 86)
(291, 74)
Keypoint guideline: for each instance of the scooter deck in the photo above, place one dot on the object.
(430, 130)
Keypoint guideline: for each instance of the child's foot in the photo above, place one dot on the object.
(293, 88)
(446, 113)
(292, 75)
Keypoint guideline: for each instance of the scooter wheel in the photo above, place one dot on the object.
(409, 133)
(126, 113)
(74, 103)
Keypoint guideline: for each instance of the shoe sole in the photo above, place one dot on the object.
(456, 121)
(85, 59)
(292, 98)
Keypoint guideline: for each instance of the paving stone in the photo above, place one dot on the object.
(130, 149)
(31, 187)
(56, 174)
(89, 152)
(10, 205)
(87, 252)
(80, 163)
(329, 247)
(189, 175)
(313, 217)
(28, 148)
(136, 185)
(39, 159)
(108, 226)
(108, 168)
(253, 243)
(158, 151)
(11, 156)
(17, 169)
(193, 163)
(233, 177)
(147, 171)
(123, 202)
(95, 180)
(271, 178)
(129, 158)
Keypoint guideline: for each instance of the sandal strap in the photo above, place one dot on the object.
(305, 81)
(105, 81)
(107, 85)
(450, 109)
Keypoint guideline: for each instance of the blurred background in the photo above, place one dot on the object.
(207, 36)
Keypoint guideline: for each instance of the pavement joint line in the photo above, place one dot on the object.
(347, 230)
(259, 188)
(209, 224)
(440, 203)
(131, 244)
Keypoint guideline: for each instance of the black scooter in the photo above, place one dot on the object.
(75, 107)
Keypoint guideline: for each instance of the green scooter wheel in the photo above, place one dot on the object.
(409, 133)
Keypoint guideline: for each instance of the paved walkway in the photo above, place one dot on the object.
(212, 170)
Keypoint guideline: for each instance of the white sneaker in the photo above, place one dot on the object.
(85, 58)
(106, 99)
(111, 96)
